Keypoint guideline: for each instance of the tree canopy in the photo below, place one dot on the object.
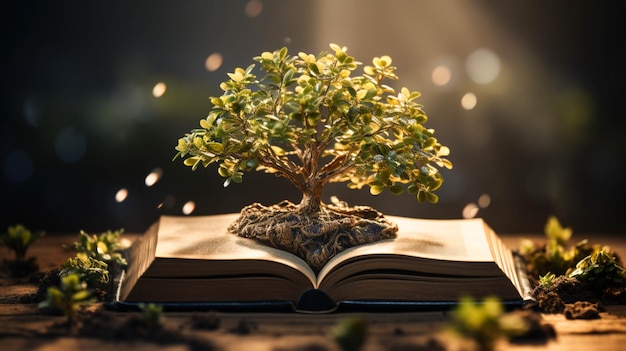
(308, 119)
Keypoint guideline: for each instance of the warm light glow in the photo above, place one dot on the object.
(441, 75)
(125, 243)
(470, 210)
(153, 177)
(159, 89)
(484, 201)
(189, 207)
(213, 62)
(483, 66)
(253, 8)
(469, 101)
(121, 195)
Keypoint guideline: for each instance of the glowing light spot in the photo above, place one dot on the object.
(159, 89)
(213, 62)
(469, 101)
(189, 207)
(70, 145)
(483, 66)
(18, 167)
(484, 201)
(253, 8)
(125, 243)
(153, 176)
(287, 40)
(470, 210)
(121, 195)
(441, 75)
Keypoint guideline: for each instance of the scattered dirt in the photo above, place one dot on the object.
(101, 324)
(538, 331)
(575, 299)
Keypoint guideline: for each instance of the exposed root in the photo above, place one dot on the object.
(315, 238)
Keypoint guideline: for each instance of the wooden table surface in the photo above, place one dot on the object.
(19, 322)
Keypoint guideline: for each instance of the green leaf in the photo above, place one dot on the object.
(376, 190)
(432, 198)
(396, 189)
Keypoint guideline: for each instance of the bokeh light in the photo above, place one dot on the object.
(469, 101)
(189, 207)
(213, 62)
(441, 75)
(483, 66)
(153, 176)
(484, 201)
(121, 195)
(470, 210)
(159, 89)
(253, 8)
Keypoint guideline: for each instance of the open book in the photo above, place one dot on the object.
(193, 261)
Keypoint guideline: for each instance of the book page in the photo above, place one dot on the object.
(207, 237)
(438, 240)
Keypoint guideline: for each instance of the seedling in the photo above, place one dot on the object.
(555, 256)
(104, 247)
(69, 297)
(151, 316)
(600, 271)
(350, 333)
(18, 239)
(485, 322)
(547, 280)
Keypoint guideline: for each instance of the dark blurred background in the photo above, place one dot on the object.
(527, 95)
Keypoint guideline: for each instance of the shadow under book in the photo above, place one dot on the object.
(194, 263)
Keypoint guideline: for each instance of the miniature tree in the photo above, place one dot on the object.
(307, 119)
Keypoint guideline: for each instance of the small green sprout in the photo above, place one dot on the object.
(600, 271)
(485, 322)
(104, 247)
(350, 333)
(151, 316)
(93, 271)
(69, 297)
(547, 280)
(18, 239)
(555, 256)
(557, 234)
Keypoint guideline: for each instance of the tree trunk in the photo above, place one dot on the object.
(311, 201)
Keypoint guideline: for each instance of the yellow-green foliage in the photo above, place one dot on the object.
(93, 271)
(350, 333)
(485, 322)
(69, 297)
(18, 239)
(600, 270)
(104, 247)
(309, 118)
(556, 256)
